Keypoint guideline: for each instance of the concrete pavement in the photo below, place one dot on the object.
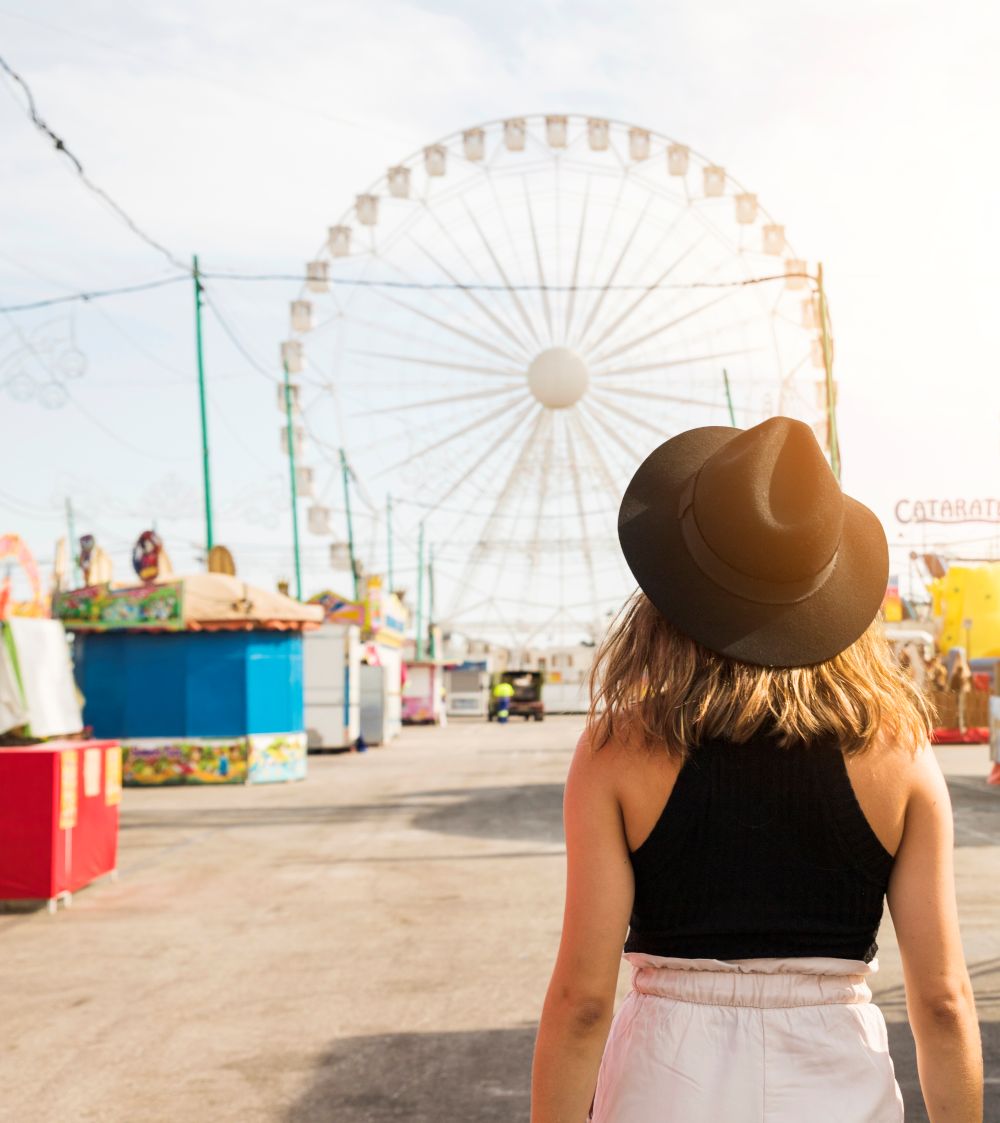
(371, 945)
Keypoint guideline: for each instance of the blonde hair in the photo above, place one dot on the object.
(652, 680)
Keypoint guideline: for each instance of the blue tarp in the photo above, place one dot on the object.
(190, 684)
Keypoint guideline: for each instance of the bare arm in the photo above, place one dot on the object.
(579, 1003)
(938, 991)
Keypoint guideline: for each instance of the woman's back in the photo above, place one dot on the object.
(643, 781)
(760, 850)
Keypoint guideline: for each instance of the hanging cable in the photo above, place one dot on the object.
(429, 286)
(60, 146)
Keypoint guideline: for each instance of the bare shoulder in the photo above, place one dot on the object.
(884, 777)
(627, 761)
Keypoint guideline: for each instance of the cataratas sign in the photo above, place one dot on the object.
(948, 511)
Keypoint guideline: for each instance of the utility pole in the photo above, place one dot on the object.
(74, 557)
(290, 429)
(729, 398)
(388, 531)
(420, 593)
(350, 525)
(430, 599)
(831, 407)
(206, 475)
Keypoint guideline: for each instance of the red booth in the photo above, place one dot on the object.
(58, 817)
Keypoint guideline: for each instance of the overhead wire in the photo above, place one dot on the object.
(60, 146)
(429, 286)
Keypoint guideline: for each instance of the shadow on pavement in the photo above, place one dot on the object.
(525, 813)
(976, 806)
(529, 812)
(473, 1076)
(484, 1076)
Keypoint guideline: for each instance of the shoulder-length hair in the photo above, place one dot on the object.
(651, 680)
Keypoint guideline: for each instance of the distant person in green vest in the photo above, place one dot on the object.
(503, 692)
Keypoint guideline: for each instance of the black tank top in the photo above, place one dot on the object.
(760, 852)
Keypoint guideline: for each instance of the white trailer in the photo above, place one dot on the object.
(332, 680)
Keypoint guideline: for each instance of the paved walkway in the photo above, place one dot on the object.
(369, 946)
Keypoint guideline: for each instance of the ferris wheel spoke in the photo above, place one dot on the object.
(666, 364)
(711, 334)
(511, 291)
(474, 273)
(447, 308)
(543, 483)
(466, 368)
(599, 300)
(538, 262)
(596, 456)
(607, 234)
(503, 498)
(612, 433)
(628, 416)
(449, 400)
(613, 327)
(672, 323)
(486, 419)
(674, 399)
(494, 319)
(576, 261)
(490, 451)
(588, 559)
(515, 256)
(383, 328)
(450, 327)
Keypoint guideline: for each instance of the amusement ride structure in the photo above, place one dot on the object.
(500, 329)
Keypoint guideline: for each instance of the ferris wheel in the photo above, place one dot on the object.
(501, 328)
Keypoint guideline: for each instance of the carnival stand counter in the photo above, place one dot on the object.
(200, 678)
(58, 817)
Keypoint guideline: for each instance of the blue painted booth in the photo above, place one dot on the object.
(203, 707)
(190, 684)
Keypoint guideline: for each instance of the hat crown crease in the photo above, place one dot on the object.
(768, 505)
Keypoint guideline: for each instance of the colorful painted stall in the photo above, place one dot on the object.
(424, 693)
(200, 678)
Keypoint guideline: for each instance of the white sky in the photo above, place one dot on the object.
(241, 131)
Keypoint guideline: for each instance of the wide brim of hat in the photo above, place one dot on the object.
(794, 635)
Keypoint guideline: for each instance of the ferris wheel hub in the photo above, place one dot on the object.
(558, 377)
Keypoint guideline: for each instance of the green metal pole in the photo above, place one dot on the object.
(350, 525)
(831, 405)
(430, 599)
(73, 545)
(290, 429)
(388, 531)
(729, 398)
(206, 475)
(420, 593)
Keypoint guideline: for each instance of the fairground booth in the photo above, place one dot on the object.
(353, 669)
(59, 792)
(199, 677)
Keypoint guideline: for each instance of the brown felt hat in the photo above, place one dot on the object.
(744, 541)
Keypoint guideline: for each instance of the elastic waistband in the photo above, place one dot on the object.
(761, 983)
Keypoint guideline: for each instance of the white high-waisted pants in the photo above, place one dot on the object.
(752, 1041)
